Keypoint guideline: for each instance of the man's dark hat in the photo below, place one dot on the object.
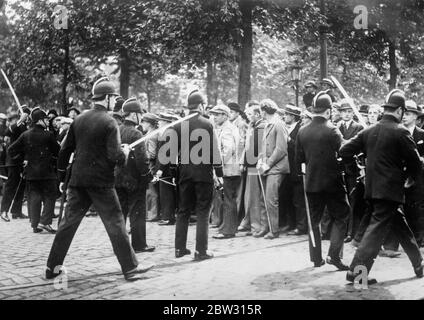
(26, 109)
(420, 111)
(52, 111)
(364, 109)
(119, 101)
(167, 117)
(293, 110)
(75, 109)
(150, 117)
(103, 87)
(235, 107)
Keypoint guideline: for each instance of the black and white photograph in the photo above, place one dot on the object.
(211, 156)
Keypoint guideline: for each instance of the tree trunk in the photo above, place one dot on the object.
(246, 52)
(323, 45)
(211, 82)
(124, 77)
(65, 72)
(393, 66)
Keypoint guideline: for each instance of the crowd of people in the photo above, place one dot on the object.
(325, 169)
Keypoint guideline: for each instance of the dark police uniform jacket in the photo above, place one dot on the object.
(94, 138)
(196, 163)
(389, 148)
(317, 145)
(291, 149)
(40, 148)
(136, 170)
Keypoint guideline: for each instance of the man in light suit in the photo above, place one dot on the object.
(228, 142)
(273, 166)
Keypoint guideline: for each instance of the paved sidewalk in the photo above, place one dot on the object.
(243, 268)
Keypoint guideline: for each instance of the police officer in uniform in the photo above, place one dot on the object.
(14, 187)
(316, 146)
(389, 148)
(132, 178)
(196, 176)
(39, 148)
(94, 139)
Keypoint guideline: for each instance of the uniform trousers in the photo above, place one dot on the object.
(41, 193)
(133, 204)
(193, 196)
(11, 189)
(106, 203)
(338, 209)
(386, 216)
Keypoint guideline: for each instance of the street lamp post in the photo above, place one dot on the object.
(296, 75)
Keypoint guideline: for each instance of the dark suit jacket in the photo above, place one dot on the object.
(196, 163)
(94, 137)
(317, 145)
(352, 131)
(40, 148)
(308, 99)
(416, 192)
(291, 149)
(254, 139)
(388, 147)
(135, 173)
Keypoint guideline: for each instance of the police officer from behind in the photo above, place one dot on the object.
(196, 178)
(389, 148)
(94, 139)
(317, 145)
(39, 148)
(132, 178)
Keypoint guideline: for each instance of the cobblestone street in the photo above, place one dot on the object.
(243, 268)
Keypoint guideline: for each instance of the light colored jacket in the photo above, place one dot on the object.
(274, 148)
(228, 141)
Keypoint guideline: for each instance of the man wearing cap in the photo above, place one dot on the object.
(273, 166)
(94, 139)
(39, 148)
(196, 175)
(328, 86)
(166, 190)
(149, 123)
(292, 191)
(14, 186)
(363, 110)
(389, 148)
(317, 145)
(132, 178)
(308, 97)
(228, 142)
